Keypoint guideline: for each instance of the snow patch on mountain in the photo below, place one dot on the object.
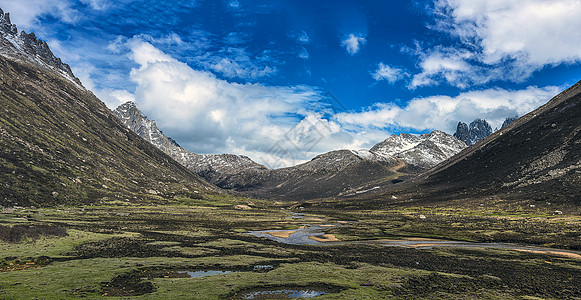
(425, 151)
(27, 47)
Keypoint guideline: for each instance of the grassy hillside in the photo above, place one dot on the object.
(62, 145)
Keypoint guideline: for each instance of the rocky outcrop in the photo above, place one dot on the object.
(26, 46)
(477, 130)
(462, 132)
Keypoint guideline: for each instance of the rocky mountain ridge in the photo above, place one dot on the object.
(329, 174)
(470, 135)
(228, 171)
(356, 172)
(26, 46)
(424, 151)
(477, 130)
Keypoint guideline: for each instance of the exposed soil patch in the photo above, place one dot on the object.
(553, 253)
(325, 238)
(18, 233)
(282, 234)
(10, 264)
(127, 285)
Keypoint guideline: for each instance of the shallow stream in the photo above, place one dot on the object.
(314, 234)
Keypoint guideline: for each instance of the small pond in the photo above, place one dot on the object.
(196, 274)
(183, 273)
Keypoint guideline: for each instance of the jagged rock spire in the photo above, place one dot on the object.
(5, 24)
(477, 130)
(30, 46)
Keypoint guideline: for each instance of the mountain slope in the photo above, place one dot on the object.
(537, 157)
(330, 174)
(61, 145)
(350, 173)
(225, 170)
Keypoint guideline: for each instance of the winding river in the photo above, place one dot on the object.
(314, 234)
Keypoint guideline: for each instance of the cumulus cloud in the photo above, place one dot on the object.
(210, 115)
(388, 73)
(450, 65)
(353, 43)
(285, 125)
(113, 98)
(500, 40)
(538, 32)
(443, 112)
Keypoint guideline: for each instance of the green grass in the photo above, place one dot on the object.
(54, 247)
(108, 246)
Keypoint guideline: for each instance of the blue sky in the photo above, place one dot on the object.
(253, 77)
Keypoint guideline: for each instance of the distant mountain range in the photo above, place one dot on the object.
(62, 145)
(424, 151)
(334, 173)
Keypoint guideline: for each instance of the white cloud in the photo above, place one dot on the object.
(443, 112)
(97, 4)
(279, 125)
(233, 62)
(25, 13)
(538, 32)
(500, 40)
(388, 73)
(448, 64)
(210, 115)
(113, 98)
(235, 38)
(353, 43)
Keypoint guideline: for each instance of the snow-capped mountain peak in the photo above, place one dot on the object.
(425, 151)
(27, 47)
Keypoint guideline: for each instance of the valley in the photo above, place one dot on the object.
(132, 250)
(99, 204)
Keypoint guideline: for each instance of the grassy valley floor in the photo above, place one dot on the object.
(132, 251)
